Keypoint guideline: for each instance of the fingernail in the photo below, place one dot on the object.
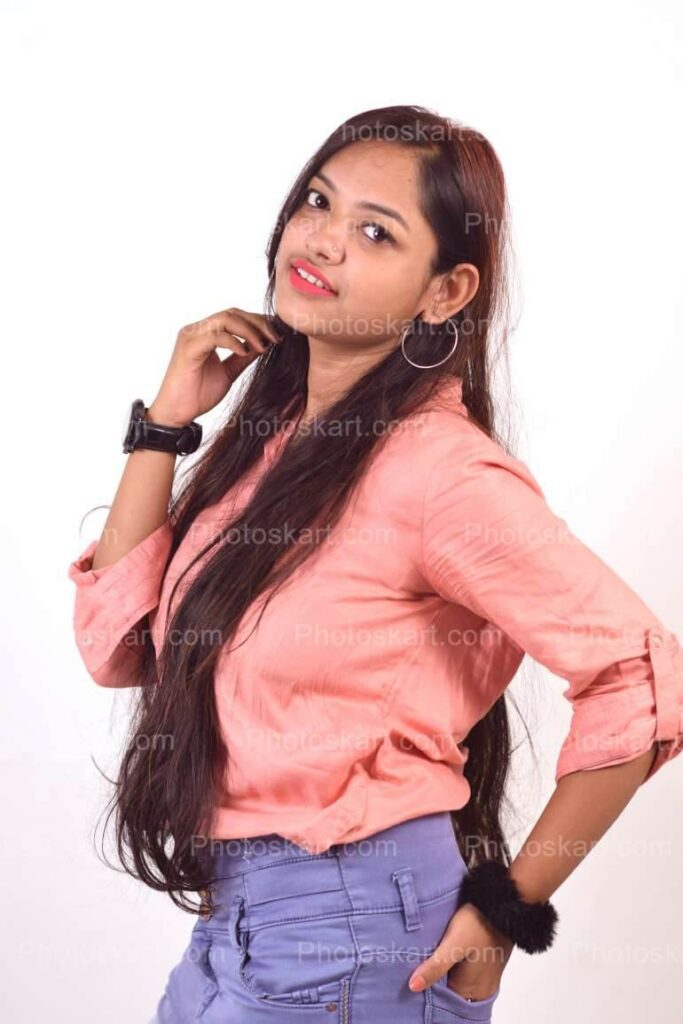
(417, 983)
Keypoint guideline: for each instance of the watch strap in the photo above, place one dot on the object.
(143, 433)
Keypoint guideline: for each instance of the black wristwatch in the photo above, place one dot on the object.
(140, 433)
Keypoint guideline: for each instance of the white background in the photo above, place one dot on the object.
(147, 148)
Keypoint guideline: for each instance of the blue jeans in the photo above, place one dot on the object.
(327, 938)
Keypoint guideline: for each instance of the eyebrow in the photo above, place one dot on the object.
(394, 214)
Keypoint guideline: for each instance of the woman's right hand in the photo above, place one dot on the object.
(197, 378)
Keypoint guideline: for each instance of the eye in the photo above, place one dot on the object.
(386, 237)
(308, 192)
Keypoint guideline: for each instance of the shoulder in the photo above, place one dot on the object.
(456, 452)
(440, 455)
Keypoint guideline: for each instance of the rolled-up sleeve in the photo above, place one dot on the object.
(110, 602)
(492, 543)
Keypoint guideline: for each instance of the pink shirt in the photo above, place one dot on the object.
(345, 710)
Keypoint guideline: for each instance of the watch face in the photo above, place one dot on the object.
(126, 423)
(135, 411)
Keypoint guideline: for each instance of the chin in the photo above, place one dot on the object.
(296, 316)
(287, 312)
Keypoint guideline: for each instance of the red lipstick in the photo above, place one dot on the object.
(307, 287)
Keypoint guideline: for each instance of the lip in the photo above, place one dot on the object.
(310, 269)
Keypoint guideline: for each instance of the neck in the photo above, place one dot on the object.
(334, 368)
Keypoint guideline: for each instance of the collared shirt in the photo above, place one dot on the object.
(346, 706)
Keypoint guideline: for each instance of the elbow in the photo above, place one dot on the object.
(633, 707)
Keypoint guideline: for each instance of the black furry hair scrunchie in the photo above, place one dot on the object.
(489, 887)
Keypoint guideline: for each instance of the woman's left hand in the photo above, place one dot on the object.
(471, 952)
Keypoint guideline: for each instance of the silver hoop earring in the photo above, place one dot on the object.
(430, 366)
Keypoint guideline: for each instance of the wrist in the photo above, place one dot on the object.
(155, 415)
(490, 888)
(529, 886)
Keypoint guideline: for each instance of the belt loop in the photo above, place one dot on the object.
(234, 917)
(406, 886)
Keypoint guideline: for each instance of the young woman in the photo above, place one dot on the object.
(323, 623)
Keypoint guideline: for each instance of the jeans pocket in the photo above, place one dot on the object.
(446, 1006)
(293, 935)
(298, 963)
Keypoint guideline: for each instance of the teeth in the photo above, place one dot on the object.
(309, 277)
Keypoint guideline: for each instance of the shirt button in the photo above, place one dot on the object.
(656, 639)
(87, 639)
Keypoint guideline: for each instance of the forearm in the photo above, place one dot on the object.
(581, 809)
(140, 505)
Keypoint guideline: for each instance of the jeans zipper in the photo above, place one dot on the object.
(344, 1017)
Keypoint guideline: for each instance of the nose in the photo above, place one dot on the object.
(325, 243)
